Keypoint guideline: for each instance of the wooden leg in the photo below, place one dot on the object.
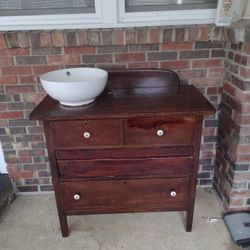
(190, 210)
(63, 224)
(189, 220)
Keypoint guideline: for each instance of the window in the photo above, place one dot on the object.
(48, 14)
(163, 5)
(170, 11)
(74, 14)
(45, 7)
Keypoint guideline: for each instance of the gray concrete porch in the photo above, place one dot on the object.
(32, 224)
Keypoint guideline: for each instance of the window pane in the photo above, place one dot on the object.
(164, 5)
(44, 7)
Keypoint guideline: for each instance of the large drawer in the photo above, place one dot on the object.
(87, 133)
(125, 195)
(170, 167)
(169, 131)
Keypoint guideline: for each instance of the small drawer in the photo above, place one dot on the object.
(125, 195)
(109, 168)
(86, 133)
(171, 131)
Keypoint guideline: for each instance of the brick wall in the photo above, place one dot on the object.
(232, 172)
(196, 53)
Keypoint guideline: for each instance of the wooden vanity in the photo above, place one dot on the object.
(135, 149)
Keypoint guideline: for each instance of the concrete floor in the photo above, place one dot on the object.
(32, 224)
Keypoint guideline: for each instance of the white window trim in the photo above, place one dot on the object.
(199, 16)
(58, 21)
(109, 14)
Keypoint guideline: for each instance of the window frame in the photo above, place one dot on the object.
(198, 16)
(110, 14)
(55, 21)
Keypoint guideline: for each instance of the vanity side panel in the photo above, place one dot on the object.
(55, 178)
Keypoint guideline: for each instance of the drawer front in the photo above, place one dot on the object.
(117, 153)
(160, 131)
(172, 166)
(87, 133)
(125, 195)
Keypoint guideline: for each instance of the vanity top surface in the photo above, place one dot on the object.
(122, 103)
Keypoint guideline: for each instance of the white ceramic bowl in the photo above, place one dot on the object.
(74, 86)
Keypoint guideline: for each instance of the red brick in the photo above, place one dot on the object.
(3, 107)
(244, 119)
(15, 173)
(106, 37)
(244, 96)
(11, 115)
(238, 193)
(80, 50)
(245, 130)
(5, 61)
(14, 52)
(193, 34)
(12, 169)
(194, 54)
(16, 70)
(208, 63)
(229, 88)
(44, 69)
(33, 97)
(20, 89)
(208, 131)
(243, 157)
(208, 153)
(205, 33)
(177, 46)
(243, 149)
(214, 90)
(25, 174)
(237, 58)
(29, 152)
(23, 39)
(46, 40)
(83, 37)
(187, 74)
(57, 38)
(205, 82)
(130, 36)
(8, 79)
(27, 79)
(245, 108)
(142, 65)
(181, 64)
(246, 47)
(236, 202)
(241, 176)
(94, 37)
(216, 72)
(2, 41)
(179, 34)
(63, 59)
(141, 35)
(130, 57)
(154, 35)
(117, 37)
(244, 72)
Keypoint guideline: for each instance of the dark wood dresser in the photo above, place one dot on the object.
(135, 149)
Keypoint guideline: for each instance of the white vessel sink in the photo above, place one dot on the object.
(74, 86)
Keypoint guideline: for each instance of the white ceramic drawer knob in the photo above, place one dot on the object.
(77, 197)
(86, 135)
(173, 193)
(160, 132)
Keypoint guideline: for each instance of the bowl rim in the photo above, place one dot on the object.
(47, 74)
